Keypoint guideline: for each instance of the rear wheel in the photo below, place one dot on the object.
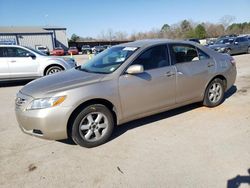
(214, 93)
(248, 50)
(93, 126)
(53, 69)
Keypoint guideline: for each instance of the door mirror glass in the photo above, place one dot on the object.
(236, 43)
(135, 69)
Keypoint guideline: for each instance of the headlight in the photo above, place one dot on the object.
(45, 103)
(221, 49)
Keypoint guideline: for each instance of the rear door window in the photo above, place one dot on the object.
(2, 52)
(181, 53)
(202, 55)
(241, 39)
(16, 52)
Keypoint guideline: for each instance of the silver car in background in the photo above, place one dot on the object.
(123, 83)
(18, 63)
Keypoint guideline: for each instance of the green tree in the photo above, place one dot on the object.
(185, 26)
(200, 31)
(74, 38)
(165, 28)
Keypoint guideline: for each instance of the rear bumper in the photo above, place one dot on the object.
(231, 77)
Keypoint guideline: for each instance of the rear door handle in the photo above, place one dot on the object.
(169, 73)
(210, 64)
(13, 61)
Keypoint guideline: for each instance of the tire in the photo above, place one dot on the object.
(228, 51)
(93, 126)
(53, 69)
(248, 50)
(214, 93)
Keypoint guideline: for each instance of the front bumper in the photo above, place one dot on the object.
(49, 123)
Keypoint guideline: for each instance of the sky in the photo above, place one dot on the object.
(93, 17)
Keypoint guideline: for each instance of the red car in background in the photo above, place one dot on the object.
(73, 51)
(57, 51)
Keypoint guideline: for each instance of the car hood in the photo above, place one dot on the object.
(58, 82)
(214, 46)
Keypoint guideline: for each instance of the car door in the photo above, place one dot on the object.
(21, 64)
(243, 42)
(193, 68)
(4, 66)
(151, 90)
(241, 45)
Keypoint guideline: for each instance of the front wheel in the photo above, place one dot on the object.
(53, 69)
(93, 126)
(214, 93)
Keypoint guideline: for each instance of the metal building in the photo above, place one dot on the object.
(34, 36)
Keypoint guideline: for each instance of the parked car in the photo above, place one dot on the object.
(194, 40)
(232, 46)
(228, 36)
(97, 49)
(43, 49)
(19, 63)
(86, 49)
(210, 41)
(107, 46)
(123, 83)
(58, 51)
(73, 51)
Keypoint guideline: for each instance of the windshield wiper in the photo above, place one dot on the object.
(82, 69)
(86, 70)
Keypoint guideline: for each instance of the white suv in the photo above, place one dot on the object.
(18, 63)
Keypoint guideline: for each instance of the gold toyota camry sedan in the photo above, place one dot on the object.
(123, 83)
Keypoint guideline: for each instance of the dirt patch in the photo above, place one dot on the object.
(118, 168)
(32, 167)
(243, 90)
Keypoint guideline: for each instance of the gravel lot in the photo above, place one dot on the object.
(192, 146)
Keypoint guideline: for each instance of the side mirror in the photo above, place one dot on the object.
(33, 56)
(236, 43)
(135, 69)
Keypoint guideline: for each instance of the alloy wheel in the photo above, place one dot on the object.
(93, 126)
(215, 92)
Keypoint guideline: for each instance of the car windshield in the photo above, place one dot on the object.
(37, 51)
(109, 60)
(225, 41)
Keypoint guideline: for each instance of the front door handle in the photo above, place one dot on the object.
(13, 61)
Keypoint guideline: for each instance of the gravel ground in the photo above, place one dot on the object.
(192, 146)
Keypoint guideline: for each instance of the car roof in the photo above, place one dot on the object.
(10, 45)
(150, 42)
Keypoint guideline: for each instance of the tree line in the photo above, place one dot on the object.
(182, 30)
